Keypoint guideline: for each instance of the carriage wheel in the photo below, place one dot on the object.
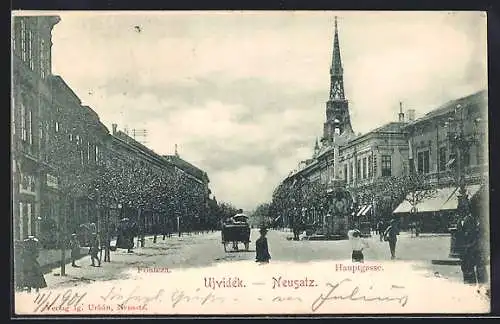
(235, 246)
(225, 246)
(247, 246)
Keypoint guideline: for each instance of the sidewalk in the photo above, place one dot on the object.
(419, 251)
(49, 259)
(122, 262)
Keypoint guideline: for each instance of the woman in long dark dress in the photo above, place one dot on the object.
(32, 272)
(261, 248)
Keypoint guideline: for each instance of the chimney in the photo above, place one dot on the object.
(411, 114)
(114, 128)
(401, 113)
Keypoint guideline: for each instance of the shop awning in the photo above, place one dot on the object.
(431, 204)
(360, 211)
(366, 210)
(452, 201)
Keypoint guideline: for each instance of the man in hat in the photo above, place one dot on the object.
(473, 255)
(261, 248)
(95, 246)
(390, 235)
(75, 249)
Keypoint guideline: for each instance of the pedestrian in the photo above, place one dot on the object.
(74, 244)
(95, 246)
(32, 272)
(357, 245)
(261, 247)
(380, 226)
(131, 231)
(390, 235)
(472, 256)
(417, 228)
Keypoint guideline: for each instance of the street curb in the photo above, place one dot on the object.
(446, 262)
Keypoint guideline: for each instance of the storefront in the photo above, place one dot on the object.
(25, 198)
(432, 214)
(49, 211)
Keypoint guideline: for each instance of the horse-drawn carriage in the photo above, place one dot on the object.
(236, 230)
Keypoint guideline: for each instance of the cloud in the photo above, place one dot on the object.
(243, 94)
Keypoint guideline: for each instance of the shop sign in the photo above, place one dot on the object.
(52, 181)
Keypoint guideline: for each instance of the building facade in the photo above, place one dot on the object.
(445, 144)
(63, 157)
(358, 160)
(182, 193)
(31, 101)
(394, 150)
(74, 142)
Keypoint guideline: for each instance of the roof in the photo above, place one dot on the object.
(392, 127)
(186, 166)
(475, 98)
(57, 81)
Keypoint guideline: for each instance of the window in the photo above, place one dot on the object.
(479, 154)
(375, 165)
(23, 122)
(77, 138)
(56, 126)
(42, 58)
(358, 169)
(14, 39)
(96, 153)
(423, 162)
(23, 40)
(40, 132)
(364, 168)
(27, 182)
(88, 151)
(370, 167)
(29, 127)
(351, 179)
(82, 160)
(386, 165)
(442, 159)
(30, 49)
(345, 173)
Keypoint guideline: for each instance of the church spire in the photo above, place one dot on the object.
(336, 71)
(316, 148)
(338, 120)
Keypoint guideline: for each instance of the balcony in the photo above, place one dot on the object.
(445, 178)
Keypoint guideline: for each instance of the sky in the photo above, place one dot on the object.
(243, 94)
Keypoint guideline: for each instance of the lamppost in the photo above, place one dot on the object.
(460, 143)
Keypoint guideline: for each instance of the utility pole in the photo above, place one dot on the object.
(62, 233)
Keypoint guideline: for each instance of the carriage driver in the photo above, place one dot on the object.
(233, 220)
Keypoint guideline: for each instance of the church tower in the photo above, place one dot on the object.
(337, 107)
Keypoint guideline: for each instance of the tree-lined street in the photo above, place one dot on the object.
(203, 250)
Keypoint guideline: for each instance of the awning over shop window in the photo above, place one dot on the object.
(366, 210)
(360, 211)
(427, 205)
(452, 201)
